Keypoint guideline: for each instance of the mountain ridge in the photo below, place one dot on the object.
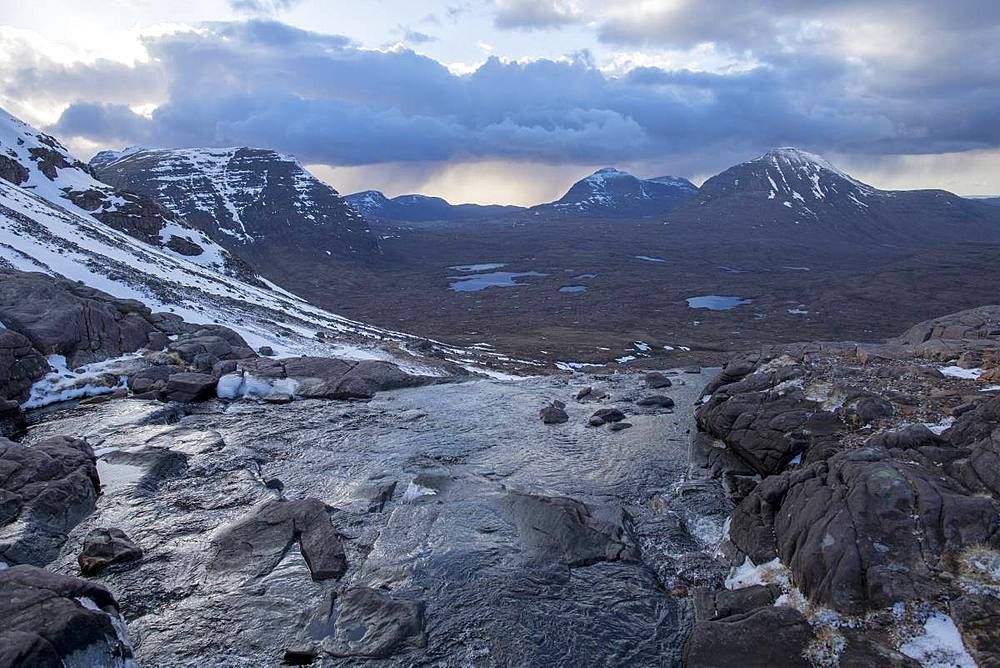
(258, 203)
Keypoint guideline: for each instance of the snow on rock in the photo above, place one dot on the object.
(959, 372)
(63, 384)
(939, 645)
(245, 385)
(748, 574)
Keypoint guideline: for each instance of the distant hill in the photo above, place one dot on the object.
(374, 205)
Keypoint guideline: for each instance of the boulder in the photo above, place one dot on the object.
(606, 415)
(210, 344)
(45, 490)
(620, 426)
(254, 545)
(330, 378)
(762, 638)
(189, 386)
(656, 400)
(711, 605)
(57, 620)
(20, 366)
(656, 380)
(553, 414)
(60, 317)
(369, 376)
(105, 547)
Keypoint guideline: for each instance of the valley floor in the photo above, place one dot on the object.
(623, 298)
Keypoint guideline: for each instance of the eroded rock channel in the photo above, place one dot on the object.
(444, 523)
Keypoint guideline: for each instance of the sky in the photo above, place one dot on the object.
(510, 101)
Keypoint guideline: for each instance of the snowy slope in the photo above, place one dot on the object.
(38, 162)
(40, 235)
(611, 192)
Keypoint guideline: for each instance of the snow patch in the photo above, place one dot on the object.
(939, 646)
(414, 491)
(959, 372)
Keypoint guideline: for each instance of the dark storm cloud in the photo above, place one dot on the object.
(328, 101)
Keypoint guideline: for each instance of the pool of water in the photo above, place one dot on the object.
(716, 302)
(486, 266)
(573, 288)
(495, 279)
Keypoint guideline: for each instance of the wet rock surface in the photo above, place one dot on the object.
(399, 530)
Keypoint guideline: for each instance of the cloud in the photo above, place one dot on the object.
(536, 14)
(262, 7)
(415, 36)
(330, 101)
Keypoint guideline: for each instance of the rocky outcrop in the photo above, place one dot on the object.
(864, 529)
(317, 378)
(866, 483)
(80, 323)
(56, 620)
(45, 489)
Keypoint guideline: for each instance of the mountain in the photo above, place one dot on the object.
(790, 195)
(613, 193)
(38, 163)
(44, 229)
(260, 204)
(374, 205)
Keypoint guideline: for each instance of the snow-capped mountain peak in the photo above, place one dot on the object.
(791, 181)
(613, 192)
